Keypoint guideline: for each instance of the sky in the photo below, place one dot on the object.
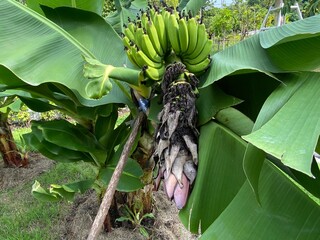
(218, 2)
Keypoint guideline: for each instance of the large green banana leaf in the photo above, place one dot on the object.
(54, 55)
(292, 47)
(225, 207)
(295, 136)
(88, 5)
(291, 132)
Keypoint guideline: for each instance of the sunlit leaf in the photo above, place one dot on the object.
(44, 44)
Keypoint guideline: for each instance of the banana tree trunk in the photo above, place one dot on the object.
(8, 148)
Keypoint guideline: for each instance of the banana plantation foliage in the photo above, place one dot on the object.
(232, 135)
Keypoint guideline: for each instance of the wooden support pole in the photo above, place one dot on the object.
(108, 196)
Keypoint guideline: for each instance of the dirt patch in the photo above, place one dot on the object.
(12, 177)
(77, 222)
(167, 225)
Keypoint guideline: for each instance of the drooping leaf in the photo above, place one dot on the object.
(294, 31)
(292, 134)
(73, 137)
(43, 195)
(104, 125)
(244, 57)
(45, 64)
(57, 192)
(52, 151)
(291, 47)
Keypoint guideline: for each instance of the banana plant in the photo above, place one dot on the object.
(258, 116)
(10, 153)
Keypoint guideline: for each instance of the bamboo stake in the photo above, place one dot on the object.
(108, 196)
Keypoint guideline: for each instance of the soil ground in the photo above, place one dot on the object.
(77, 222)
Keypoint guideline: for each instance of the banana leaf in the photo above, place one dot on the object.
(53, 54)
(71, 137)
(130, 177)
(57, 153)
(125, 10)
(294, 143)
(292, 47)
(57, 192)
(95, 6)
(226, 208)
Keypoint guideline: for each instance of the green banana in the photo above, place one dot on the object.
(132, 27)
(205, 52)
(198, 68)
(126, 42)
(193, 35)
(152, 12)
(129, 34)
(144, 19)
(202, 37)
(161, 31)
(138, 37)
(183, 35)
(142, 59)
(153, 35)
(154, 73)
(173, 33)
(147, 48)
(131, 57)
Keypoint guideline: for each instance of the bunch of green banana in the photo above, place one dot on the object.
(146, 43)
(159, 37)
(189, 41)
